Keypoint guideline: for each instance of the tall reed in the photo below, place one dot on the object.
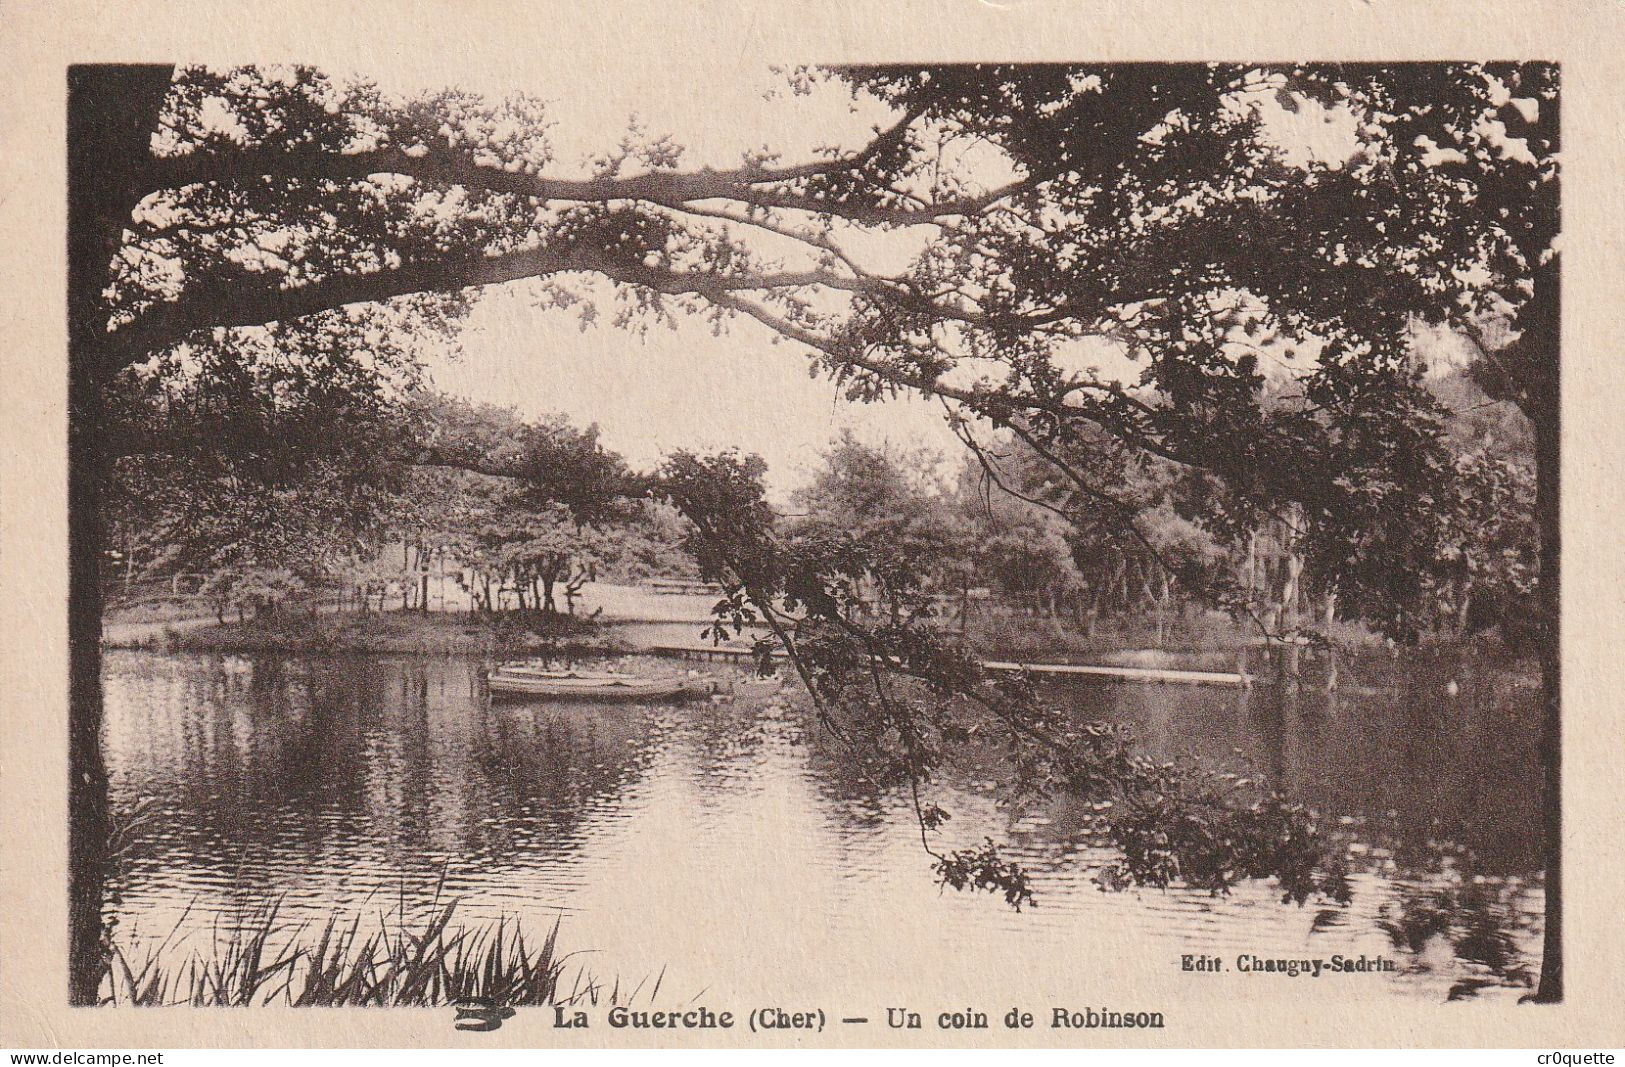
(264, 960)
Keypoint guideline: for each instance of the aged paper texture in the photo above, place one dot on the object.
(441, 608)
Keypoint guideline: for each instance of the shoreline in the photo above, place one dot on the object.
(510, 635)
(390, 633)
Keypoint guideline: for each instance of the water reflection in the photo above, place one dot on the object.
(350, 784)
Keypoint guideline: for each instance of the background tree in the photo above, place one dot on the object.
(1130, 553)
(1019, 547)
(1488, 561)
(517, 504)
(885, 497)
(280, 450)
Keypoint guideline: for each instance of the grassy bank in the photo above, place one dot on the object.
(1066, 640)
(261, 962)
(1217, 642)
(439, 633)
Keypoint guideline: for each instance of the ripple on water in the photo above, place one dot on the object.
(355, 785)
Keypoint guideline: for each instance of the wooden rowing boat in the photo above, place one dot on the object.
(526, 681)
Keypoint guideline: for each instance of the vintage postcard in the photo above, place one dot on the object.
(759, 525)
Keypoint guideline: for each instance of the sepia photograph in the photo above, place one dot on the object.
(846, 552)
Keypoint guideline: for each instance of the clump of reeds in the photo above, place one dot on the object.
(263, 961)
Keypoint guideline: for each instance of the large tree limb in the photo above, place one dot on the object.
(245, 303)
(761, 186)
(249, 301)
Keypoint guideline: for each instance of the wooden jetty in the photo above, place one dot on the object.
(702, 651)
(681, 587)
(1140, 675)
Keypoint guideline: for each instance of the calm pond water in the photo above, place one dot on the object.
(725, 848)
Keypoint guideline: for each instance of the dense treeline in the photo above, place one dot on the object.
(1001, 532)
(284, 500)
(370, 499)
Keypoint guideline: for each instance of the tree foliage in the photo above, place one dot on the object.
(907, 702)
